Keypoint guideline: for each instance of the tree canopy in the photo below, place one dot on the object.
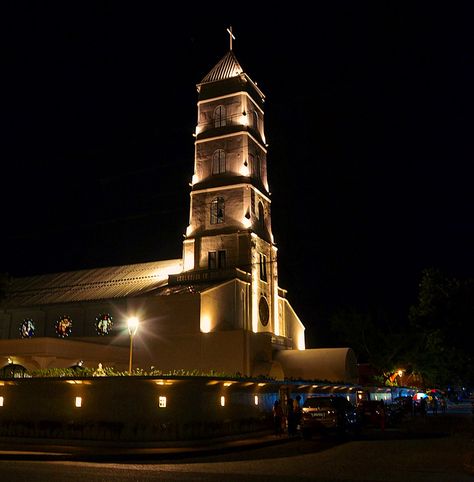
(435, 344)
(442, 321)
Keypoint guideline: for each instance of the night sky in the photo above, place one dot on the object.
(369, 120)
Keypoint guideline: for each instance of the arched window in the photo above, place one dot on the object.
(219, 116)
(217, 210)
(218, 161)
(252, 163)
(255, 119)
(263, 267)
(261, 215)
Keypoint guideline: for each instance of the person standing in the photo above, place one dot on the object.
(423, 406)
(297, 412)
(290, 417)
(442, 403)
(278, 418)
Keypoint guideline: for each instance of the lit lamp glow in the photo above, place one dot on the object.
(132, 324)
(301, 343)
(247, 223)
(205, 324)
(244, 169)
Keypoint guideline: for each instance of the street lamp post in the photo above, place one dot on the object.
(132, 324)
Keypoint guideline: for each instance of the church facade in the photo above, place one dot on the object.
(219, 308)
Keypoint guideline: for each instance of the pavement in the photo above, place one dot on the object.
(456, 422)
(47, 449)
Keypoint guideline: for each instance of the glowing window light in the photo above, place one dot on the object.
(1, 401)
(78, 402)
(162, 402)
(222, 401)
(255, 399)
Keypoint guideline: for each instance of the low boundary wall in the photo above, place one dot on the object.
(144, 408)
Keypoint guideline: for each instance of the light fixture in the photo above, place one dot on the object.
(132, 324)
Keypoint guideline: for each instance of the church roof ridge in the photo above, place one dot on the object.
(226, 68)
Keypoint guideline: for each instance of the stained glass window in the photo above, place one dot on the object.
(27, 328)
(64, 326)
(103, 324)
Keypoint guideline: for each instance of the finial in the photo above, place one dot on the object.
(231, 36)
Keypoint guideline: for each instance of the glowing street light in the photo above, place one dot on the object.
(132, 324)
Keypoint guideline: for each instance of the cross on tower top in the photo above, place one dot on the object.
(231, 37)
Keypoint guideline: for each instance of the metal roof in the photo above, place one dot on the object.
(90, 284)
(226, 68)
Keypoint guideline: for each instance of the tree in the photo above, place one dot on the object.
(372, 337)
(442, 327)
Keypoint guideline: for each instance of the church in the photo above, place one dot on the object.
(219, 308)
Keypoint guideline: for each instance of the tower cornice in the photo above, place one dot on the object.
(232, 186)
(226, 96)
(232, 134)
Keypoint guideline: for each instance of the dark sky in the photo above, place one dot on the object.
(369, 120)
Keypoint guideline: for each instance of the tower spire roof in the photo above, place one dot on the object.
(226, 68)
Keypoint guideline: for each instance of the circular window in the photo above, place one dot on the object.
(103, 324)
(263, 311)
(64, 326)
(27, 328)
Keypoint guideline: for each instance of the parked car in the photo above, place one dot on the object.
(373, 413)
(328, 414)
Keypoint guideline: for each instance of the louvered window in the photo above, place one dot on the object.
(219, 116)
(218, 162)
(217, 211)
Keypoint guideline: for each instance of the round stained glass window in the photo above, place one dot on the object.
(27, 328)
(64, 326)
(103, 324)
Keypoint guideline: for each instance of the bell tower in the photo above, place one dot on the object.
(229, 228)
